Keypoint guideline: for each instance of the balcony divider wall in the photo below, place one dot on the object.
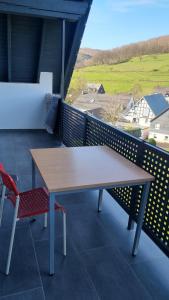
(80, 129)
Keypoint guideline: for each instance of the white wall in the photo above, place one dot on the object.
(159, 137)
(22, 105)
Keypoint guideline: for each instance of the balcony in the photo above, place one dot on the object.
(39, 45)
(99, 264)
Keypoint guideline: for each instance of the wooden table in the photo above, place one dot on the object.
(73, 169)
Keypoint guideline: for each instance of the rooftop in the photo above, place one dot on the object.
(157, 103)
(98, 265)
(104, 101)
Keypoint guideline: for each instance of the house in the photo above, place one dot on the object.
(100, 104)
(93, 103)
(96, 88)
(159, 127)
(164, 91)
(146, 109)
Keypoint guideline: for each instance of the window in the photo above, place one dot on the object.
(166, 137)
(157, 126)
(155, 136)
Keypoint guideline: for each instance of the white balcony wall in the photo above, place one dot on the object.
(22, 105)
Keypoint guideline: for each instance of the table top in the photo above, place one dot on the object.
(78, 168)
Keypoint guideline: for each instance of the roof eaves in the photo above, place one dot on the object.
(164, 111)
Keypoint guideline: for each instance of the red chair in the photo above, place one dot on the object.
(27, 204)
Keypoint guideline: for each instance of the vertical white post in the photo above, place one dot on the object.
(64, 233)
(52, 233)
(45, 220)
(2, 202)
(100, 200)
(12, 235)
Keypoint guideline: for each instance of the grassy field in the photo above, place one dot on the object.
(145, 73)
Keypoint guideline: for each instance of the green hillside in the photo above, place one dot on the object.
(142, 73)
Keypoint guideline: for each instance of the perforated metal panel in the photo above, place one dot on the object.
(73, 127)
(156, 223)
(80, 129)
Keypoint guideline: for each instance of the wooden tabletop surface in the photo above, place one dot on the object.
(75, 168)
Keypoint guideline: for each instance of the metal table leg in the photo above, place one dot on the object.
(100, 200)
(33, 174)
(51, 233)
(132, 207)
(33, 219)
(144, 199)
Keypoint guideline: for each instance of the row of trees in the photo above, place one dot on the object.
(124, 53)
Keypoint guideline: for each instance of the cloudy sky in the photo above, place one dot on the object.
(114, 23)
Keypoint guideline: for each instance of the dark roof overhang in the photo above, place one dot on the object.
(41, 36)
(71, 10)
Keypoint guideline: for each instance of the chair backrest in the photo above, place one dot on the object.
(1, 167)
(8, 182)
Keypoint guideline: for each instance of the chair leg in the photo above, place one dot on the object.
(45, 220)
(2, 203)
(12, 236)
(64, 233)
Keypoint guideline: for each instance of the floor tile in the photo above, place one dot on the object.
(24, 272)
(112, 276)
(37, 294)
(99, 264)
(71, 280)
(115, 220)
(40, 233)
(154, 275)
(87, 232)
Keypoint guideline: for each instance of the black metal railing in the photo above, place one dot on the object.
(80, 129)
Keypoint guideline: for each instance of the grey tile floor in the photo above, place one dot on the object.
(98, 263)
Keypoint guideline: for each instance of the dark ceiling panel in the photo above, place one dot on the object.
(3, 48)
(25, 44)
(30, 45)
(69, 36)
(51, 51)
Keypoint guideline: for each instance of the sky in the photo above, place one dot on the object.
(113, 23)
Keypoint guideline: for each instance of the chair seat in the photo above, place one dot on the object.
(33, 202)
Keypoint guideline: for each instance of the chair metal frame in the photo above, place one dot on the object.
(16, 218)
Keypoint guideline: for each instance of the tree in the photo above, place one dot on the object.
(137, 91)
(76, 89)
(111, 115)
(152, 141)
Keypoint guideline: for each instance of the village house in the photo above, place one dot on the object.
(100, 104)
(96, 88)
(164, 91)
(146, 109)
(159, 127)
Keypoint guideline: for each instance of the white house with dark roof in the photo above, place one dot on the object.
(146, 109)
(159, 127)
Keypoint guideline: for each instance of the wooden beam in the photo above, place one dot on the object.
(71, 10)
(9, 46)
